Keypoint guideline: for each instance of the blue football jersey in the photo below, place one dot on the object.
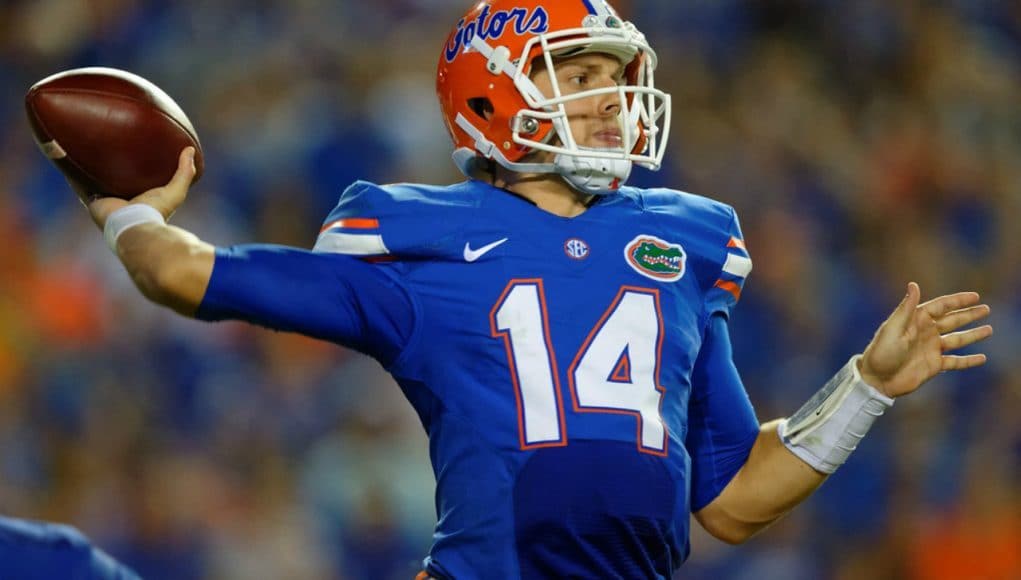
(573, 374)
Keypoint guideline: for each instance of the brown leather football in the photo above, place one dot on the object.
(112, 131)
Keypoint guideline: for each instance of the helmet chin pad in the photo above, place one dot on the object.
(593, 175)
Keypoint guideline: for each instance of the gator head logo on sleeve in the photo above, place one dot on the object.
(655, 258)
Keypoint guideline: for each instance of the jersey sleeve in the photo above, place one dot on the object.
(732, 265)
(354, 227)
(722, 426)
(336, 298)
(393, 222)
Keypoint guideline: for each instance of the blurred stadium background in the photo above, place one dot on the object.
(865, 143)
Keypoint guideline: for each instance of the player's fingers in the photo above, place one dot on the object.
(937, 307)
(168, 197)
(956, 363)
(962, 339)
(959, 318)
(903, 314)
(185, 168)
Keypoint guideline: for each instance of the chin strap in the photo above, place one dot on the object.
(591, 175)
(486, 148)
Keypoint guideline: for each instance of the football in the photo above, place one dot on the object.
(113, 132)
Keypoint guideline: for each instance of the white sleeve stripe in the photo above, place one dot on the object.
(351, 244)
(738, 265)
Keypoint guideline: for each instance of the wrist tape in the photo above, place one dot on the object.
(827, 428)
(126, 218)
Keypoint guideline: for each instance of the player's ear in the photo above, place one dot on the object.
(482, 107)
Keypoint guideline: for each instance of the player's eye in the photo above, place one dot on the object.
(578, 79)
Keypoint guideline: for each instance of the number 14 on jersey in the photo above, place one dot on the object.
(616, 369)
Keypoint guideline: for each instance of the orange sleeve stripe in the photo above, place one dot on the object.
(353, 224)
(729, 287)
(736, 243)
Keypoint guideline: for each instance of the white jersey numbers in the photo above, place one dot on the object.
(615, 371)
(520, 318)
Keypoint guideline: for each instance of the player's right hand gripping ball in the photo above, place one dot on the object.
(112, 132)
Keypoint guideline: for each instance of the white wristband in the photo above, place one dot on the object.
(128, 217)
(827, 428)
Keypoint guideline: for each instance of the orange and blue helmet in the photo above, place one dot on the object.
(494, 111)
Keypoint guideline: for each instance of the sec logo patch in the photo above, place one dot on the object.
(576, 249)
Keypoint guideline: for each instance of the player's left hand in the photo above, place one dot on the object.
(909, 348)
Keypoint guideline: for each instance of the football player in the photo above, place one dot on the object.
(42, 551)
(563, 337)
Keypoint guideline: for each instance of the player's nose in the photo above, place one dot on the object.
(608, 105)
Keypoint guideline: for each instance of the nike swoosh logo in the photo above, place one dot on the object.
(471, 255)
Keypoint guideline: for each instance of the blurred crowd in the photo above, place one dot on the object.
(864, 144)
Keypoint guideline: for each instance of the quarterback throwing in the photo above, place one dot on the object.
(562, 336)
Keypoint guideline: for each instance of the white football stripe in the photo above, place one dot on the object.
(53, 150)
(351, 244)
(738, 265)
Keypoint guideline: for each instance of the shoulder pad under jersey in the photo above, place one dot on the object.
(395, 222)
(714, 242)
